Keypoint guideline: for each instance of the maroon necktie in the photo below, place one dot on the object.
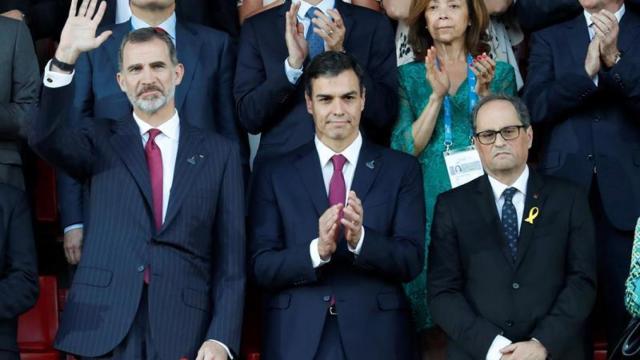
(154, 162)
(337, 187)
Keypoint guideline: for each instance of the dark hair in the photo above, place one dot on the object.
(331, 64)
(518, 105)
(476, 40)
(145, 35)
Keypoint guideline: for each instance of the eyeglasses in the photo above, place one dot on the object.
(488, 137)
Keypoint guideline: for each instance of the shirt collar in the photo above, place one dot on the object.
(618, 15)
(168, 25)
(324, 5)
(170, 128)
(351, 153)
(520, 184)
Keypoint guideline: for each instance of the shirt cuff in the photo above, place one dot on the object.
(315, 255)
(54, 79)
(73, 227)
(595, 79)
(225, 348)
(494, 350)
(293, 75)
(356, 251)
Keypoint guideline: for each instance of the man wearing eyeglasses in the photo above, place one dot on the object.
(512, 257)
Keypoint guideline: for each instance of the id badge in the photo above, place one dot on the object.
(463, 165)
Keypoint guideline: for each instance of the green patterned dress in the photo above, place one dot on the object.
(414, 95)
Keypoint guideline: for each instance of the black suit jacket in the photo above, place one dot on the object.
(269, 104)
(374, 319)
(197, 258)
(18, 265)
(589, 126)
(476, 291)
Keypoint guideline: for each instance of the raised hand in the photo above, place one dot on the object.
(331, 31)
(294, 37)
(592, 61)
(328, 231)
(79, 31)
(436, 76)
(352, 220)
(607, 30)
(485, 69)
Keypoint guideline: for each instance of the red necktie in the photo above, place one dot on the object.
(154, 162)
(337, 187)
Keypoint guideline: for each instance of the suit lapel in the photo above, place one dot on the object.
(309, 170)
(533, 204)
(189, 161)
(367, 169)
(578, 38)
(127, 143)
(628, 34)
(188, 49)
(486, 207)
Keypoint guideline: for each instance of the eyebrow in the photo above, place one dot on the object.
(350, 93)
(153, 64)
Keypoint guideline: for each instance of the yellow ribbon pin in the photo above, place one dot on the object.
(533, 213)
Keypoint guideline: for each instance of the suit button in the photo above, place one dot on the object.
(509, 323)
(596, 119)
(326, 298)
(515, 286)
(590, 157)
(141, 268)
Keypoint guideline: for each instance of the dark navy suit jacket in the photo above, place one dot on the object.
(197, 258)
(589, 126)
(288, 197)
(204, 98)
(269, 104)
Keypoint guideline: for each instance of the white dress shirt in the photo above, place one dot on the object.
(592, 32)
(498, 188)
(123, 11)
(293, 75)
(351, 153)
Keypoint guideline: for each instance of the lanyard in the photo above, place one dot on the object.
(473, 99)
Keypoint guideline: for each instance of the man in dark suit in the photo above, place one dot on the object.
(337, 226)
(583, 88)
(164, 253)
(204, 98)
(18, 267)
(275, 48)
(512, 256)
(19, 86)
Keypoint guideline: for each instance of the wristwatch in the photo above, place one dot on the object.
(62, 65)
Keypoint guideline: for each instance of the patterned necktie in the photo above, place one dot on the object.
(314, 41)
(154, 162)
(510, 221)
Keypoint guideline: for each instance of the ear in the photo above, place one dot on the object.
(179, 73)
(530, 135)
(121, 82)
(309, 102)
(364, 98)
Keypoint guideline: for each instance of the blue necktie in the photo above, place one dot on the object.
(510, 221)
(315, 42)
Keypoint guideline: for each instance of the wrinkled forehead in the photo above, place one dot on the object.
(152, 51)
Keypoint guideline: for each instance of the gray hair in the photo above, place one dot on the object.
(145, 35)
(518, 105)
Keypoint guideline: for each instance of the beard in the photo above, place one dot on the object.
(153, 104)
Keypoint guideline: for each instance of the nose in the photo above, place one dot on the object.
(337, 108)
(147, 75)
(500, 141)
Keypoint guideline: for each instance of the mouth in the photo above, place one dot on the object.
(501, 154)
(149, 92)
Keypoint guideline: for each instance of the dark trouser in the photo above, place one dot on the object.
(137, 345)
(9, 355)
(614, 258)
(330, 347)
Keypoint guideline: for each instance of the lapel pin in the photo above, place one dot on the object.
(535, 196)
(201, 156)
(533, 213)
(371, 164)
(192, 160)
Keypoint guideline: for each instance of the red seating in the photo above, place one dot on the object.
(37, 327)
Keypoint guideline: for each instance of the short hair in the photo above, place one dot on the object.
(476, 40)
(331, 64)
(518, 105)
(145, 35)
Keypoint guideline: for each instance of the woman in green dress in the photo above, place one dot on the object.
(449, 38)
